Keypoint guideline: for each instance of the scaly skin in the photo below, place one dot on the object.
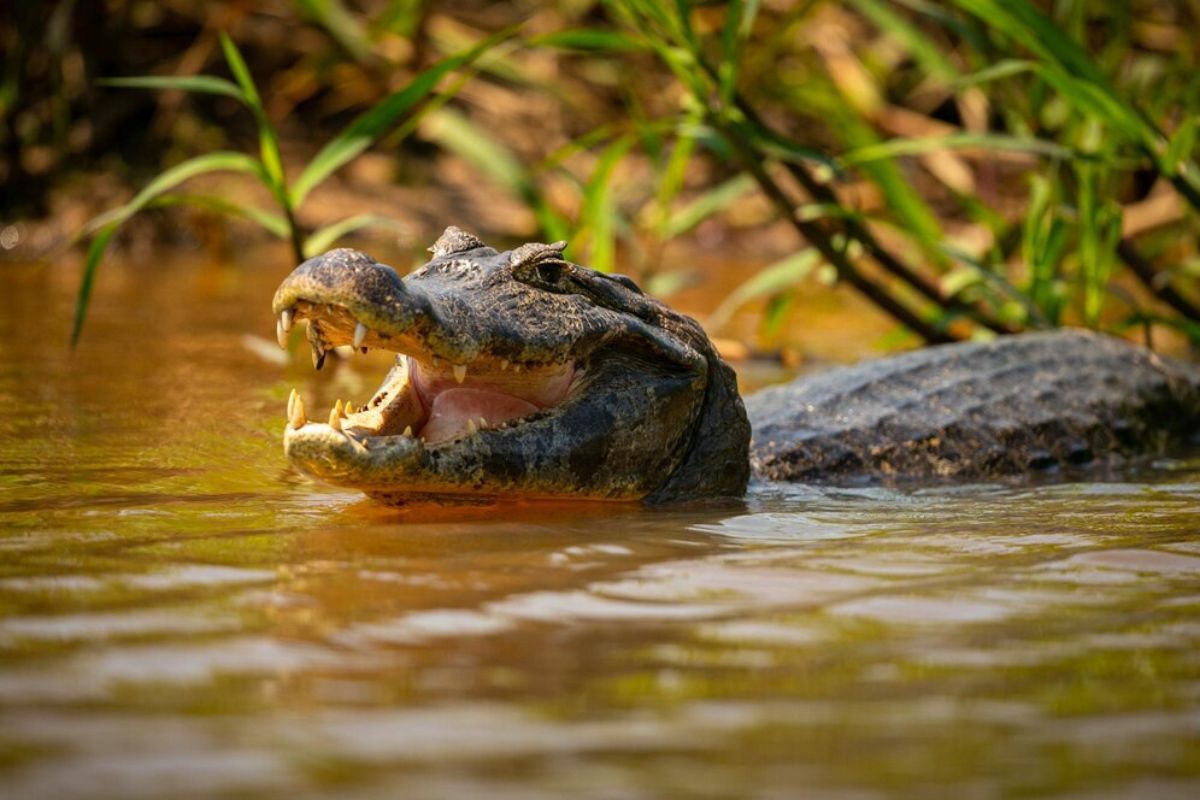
(977, 410)
(619, 397)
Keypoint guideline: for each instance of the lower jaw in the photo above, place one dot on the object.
(403, 469)
(398, 470)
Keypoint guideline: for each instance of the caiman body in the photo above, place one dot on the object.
(521, 374)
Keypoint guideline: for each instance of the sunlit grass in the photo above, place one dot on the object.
(973, 168)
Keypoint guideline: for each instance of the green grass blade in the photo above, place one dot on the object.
(365, 129)
(960, 279)
(105, 225)
(220, 161)
(202, 84)
(739, 22)
(1028, 26)
(926, 52)
(682, 24)
(710, 202)
(272, 223)
(672, 176)
(241, 73)
(658, 30)
(1043, 240)
(456, 133)
(322, 238)
(400, 17)
(1023, 310)
(746, 27)
(459, 135)
(1099, 221)
(1095, 101)
(1183, 141)
(95, 253)
(599, 213)
(912, 146)
(272, 159)
(900, 196)
(1069, 67)
(727, 68)
(771, 280)
(589, 40)
(337, 20)
(268, 140)
(995, 72)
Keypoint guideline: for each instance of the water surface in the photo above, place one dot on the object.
(182, 615)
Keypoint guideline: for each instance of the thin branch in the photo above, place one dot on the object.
(821, 240)
(1182, 186)
(853, 229)
(889, 262)
(1148, 274)
(295, 232)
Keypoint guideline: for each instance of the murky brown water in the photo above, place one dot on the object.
(181, 615)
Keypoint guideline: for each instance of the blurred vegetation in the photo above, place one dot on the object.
(972, 167)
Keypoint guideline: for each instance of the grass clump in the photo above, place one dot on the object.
(973, 168)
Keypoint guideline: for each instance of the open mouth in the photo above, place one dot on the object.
(518, 375)
(426, 398)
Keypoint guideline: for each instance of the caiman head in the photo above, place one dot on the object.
(518, 374)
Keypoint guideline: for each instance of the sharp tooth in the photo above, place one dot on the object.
(460, 372)
(408, 430)
(343, 409)
(503, 364)
(360, 333)
(517, 367)
(318, 355)
(298, 418)
(335, 419)
(471, 429)
(291, 403)
(482, 423)
(285, 319)
(281, 334)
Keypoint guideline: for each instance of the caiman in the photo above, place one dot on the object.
(520, 374)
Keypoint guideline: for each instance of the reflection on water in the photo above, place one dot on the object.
(180, 614)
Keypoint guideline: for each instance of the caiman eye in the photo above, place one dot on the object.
(549, 272)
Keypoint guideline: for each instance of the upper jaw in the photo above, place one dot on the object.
(350, 299)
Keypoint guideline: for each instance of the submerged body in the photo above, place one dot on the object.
(520, 374)
(976, 410)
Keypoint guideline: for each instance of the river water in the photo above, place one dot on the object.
(182, 615)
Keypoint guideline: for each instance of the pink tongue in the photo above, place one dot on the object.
(452, 408)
